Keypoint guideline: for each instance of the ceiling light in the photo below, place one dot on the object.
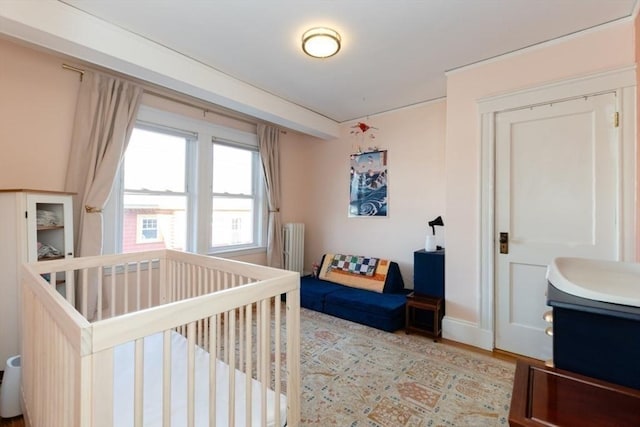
(320, 42)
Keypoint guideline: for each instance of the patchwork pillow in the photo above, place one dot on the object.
(355, 264)
(342, 275)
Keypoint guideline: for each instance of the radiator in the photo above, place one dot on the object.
(293, 239)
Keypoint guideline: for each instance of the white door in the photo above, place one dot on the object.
(557, 194)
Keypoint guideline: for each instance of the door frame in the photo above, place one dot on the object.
(623, 83)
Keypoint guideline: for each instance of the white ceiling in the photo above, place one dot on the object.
(245, 55)
(394, 52)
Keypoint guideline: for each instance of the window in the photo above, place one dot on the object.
(155, 198)
(188, 185)
(234, 201)
(147, 229)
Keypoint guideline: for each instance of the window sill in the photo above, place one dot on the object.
(231, 253)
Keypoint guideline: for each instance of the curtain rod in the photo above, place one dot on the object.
(205, 110)
(157, 93)
(76, 69)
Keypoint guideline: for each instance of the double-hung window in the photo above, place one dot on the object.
(155, 195)
(189, 185)
(234, 198)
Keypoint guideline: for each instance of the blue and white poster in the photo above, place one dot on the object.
(368, 190)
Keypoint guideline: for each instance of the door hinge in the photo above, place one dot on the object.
(616, 119)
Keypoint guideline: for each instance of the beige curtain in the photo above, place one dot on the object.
(268, 142)
(106, 110)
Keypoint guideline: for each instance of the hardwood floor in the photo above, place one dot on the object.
(498, 354)
(12, 422)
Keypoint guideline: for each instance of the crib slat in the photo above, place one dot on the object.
(113, 292)
(213, 320)
(170, 289)
(126, 287)
(277, 364)
(85, 291)
(191, 373)
(225, 333)
(138, 286)
(150, 284)
(138, 393)
(166, 379)
(99, 306)
(249, 365)
(183, 288)
(264, 358)
(241, 331)
(164, 274)
(293, 357)
(230, 340)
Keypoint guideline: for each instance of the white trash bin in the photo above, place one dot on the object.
(10, 405)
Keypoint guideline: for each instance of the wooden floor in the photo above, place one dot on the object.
(12, 422)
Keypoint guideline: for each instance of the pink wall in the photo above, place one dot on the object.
(606, 48)
(636, 40)
(37, 104)
(315, 177)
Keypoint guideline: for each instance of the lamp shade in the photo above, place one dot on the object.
(321, 42)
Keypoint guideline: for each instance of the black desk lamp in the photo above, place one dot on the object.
(433, 223)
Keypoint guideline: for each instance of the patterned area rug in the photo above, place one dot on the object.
(353, 375)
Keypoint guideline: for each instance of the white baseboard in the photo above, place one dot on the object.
(467, 333)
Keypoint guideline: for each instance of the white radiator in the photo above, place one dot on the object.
(293, 239)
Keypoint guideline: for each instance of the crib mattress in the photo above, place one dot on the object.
(123, 406)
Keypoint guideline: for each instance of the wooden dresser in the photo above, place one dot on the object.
(545, 396)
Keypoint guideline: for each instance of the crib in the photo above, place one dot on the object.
(178, 339)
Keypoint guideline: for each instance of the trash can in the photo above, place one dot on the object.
(10, 402)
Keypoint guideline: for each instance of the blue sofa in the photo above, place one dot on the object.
(384, 310)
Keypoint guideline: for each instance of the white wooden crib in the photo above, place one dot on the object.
(147, 358)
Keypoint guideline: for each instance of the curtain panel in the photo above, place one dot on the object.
(106, 111)
(268, 142)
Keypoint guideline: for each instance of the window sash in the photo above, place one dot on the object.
(256, 197)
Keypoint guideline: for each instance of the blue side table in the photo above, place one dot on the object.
(428, 273)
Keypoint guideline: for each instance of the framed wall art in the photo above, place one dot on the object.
(368, 184)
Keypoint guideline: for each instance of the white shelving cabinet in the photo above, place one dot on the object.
(20, 236)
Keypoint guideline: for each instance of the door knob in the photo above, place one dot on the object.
(504, 243)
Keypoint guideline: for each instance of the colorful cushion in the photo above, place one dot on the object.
(355, 264)
(375, 282)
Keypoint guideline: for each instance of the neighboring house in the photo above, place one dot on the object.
(146, 229)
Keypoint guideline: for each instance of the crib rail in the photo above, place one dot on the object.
(232, 310)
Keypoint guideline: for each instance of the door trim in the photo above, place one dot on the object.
(622, 82)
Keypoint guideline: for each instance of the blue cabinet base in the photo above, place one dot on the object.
(599, 340)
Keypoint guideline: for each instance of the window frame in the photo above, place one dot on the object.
(199, 170)
(257, 195)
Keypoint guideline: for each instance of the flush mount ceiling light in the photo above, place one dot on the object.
(321, 42)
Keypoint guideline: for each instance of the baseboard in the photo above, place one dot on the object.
(467, 332)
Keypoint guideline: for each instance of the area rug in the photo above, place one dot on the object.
(353, 375)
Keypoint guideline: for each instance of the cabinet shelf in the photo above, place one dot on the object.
(49, 227)
(50, 258)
